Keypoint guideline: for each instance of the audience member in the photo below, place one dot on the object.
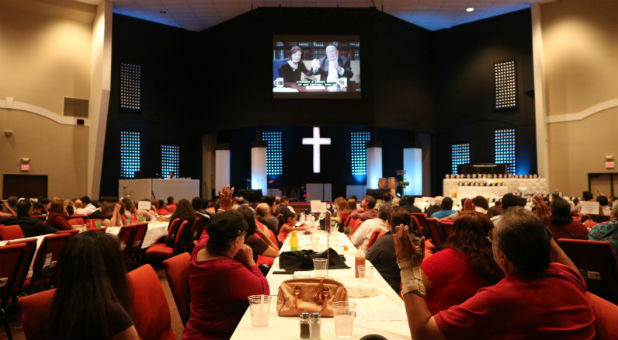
(222, 276)
(480, 204)
(454, 274)
(10, 205)
(263, 214)
(537, 299)
(289, 225)
(92, 298)
(57, 217)
(30, 226)
(509, 200)
(171, 204)
(607, 231)
(407, 202)
(285, 205)
(88, 206)
(562, 224)
(366, 210)
(184, 211)
(38, 209)
(259, 242)
(353, 201)
(162, 208)
(382, 252)
(7, 210)
(344, 210)
(69, 207)
(495, 210)
(360, 238)
(446, 209)
(109, 214)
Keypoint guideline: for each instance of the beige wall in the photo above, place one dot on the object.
(45, 55)
(580, 57)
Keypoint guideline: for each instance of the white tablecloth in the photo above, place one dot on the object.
(381, 314)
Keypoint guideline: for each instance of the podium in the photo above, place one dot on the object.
(158, 188)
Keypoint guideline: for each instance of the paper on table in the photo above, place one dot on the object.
(144, 205)
(318, 206)
(589, 208)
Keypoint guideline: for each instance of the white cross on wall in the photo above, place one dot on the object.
(316, 141)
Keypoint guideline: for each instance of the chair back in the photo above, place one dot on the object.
(11, 232)
(139, 233)
(68, 231)
(436, 236)
(172, 230)
(596, 261)
(417, 225)
(182, 239)
(125, 236)
(447, 228)
(35, 313)
(12, 255)
(76, 221)
(354, 224)
(24, 266)
(422, 219)
(375, 235)
(605, 314)
(151, 314)
(177, 272)
(44, 267)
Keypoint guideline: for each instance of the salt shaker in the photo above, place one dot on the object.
(315, 326)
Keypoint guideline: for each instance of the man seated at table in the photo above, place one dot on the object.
(30, 226)
(360, 238)
(538, 298)
(446, 209)
(382, 252)
(366, 210)
(88, 206)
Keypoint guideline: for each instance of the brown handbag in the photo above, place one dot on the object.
(309, 295)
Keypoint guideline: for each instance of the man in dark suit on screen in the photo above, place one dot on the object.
(333, 66)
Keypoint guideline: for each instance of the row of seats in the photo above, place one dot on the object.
(150, 314)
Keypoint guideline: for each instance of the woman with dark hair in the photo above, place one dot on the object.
(288, 220)
(454, 274)
(562, 224)
(161, 209)
(259, 242)
(92, 299)
(290, 71)
(57, 217)
(222, 276)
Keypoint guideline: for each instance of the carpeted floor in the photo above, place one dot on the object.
(177, 326)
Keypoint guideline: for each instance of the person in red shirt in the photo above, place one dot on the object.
(171, 205)
(454, 274)
(562, 224)
(537, 299)
(222, 276)
(161, 210)
(58, 216)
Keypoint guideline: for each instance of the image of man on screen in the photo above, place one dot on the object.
(333, 66)
(291, 70)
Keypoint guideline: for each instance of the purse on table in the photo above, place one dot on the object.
(309, 295)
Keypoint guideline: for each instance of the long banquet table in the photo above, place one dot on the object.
(382, 314)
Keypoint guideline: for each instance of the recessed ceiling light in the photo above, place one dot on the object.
(470, 9)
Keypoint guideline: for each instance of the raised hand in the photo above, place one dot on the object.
(542, 209)
(404, 248)
(225, 198)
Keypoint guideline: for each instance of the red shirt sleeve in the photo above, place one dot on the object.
(438, 267)
(247, 281)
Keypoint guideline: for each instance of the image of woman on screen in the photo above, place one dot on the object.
(290, 71)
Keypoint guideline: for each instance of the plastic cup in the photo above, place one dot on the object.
(260, 307)
(365, 271)
(343, 314)
(320, 266)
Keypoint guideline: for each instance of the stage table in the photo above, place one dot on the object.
(158, 188)
(382, 314)
(523, 185)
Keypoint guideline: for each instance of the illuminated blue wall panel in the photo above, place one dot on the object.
(130, 155)
(504, 149)
(460, 154)
(274, 158)
(170, 160)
